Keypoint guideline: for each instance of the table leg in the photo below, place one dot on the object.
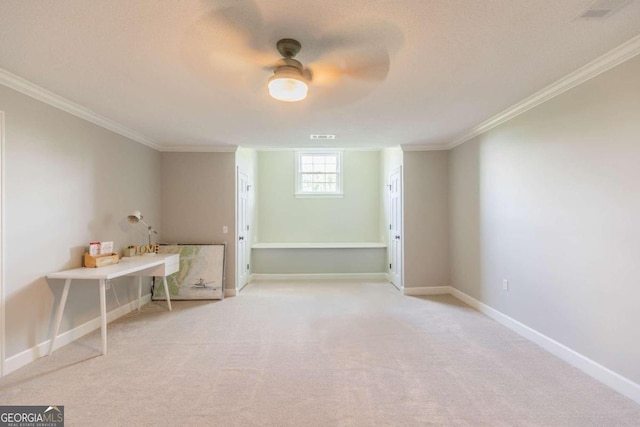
(166, 291)
(56, 326)
(103, 315)
(139, 292)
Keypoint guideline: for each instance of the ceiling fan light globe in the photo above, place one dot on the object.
(288, 87)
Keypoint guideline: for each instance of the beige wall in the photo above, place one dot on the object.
(464, 222)
(551, 202)
(426, 218)
(67, 182)
(284, 218)
(198, 200)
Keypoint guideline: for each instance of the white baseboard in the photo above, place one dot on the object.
(230, 292)
(16, 362)
(426, 290)
(605, 375)
(319, 276)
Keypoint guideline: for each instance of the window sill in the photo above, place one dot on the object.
(319, 195)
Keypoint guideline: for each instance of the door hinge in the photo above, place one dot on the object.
(247, 266)
(389, 266)
(247, 228)
(389, 226)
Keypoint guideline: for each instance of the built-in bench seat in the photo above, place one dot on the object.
(317, 245)
(350, 259)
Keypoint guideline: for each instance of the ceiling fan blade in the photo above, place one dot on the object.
(342, 92)
(236, 22)
(373, 36)
(360, 53)
(324, 74)
(372, 65)
(226, 40)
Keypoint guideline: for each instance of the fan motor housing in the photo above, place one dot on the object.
(288, 47)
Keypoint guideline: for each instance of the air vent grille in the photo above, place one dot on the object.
(325, 137)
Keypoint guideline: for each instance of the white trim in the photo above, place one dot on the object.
(41, 94)
(427, 290)
(364, 245)
(200, 149)
(601, 373)
(246, 237)
(622, 53)
(605, 375)
(2, 204)
(319, 195)
(318, 276)
(34, 353)
(232, 292)
(387, 277)
(400, 171)
(618, 55)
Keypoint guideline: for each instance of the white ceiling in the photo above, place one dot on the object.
(177, 71)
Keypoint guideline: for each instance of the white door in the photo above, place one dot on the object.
(395, 227)
(243, 245)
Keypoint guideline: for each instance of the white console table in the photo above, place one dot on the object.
(159, 265)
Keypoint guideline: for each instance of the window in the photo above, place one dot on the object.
(319, 173)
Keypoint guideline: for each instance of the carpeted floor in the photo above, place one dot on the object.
(315, 354)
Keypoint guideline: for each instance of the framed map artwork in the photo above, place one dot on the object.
(201, 274)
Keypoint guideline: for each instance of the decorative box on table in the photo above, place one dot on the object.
(100, 260)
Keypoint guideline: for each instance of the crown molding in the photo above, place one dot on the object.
(617, 56)
(200, 149)
(41, 94)
(605, 62)
(424, 147)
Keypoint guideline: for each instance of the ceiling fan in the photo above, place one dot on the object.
(290, 80)
(340, 66)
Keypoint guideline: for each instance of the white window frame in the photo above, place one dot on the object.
(298, 172)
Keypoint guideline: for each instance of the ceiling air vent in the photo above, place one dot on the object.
(601, 9)
(322, 137)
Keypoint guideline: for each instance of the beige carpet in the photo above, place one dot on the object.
(315, 354)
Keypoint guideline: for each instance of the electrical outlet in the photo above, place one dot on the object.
(225, 229)
(505, 285)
